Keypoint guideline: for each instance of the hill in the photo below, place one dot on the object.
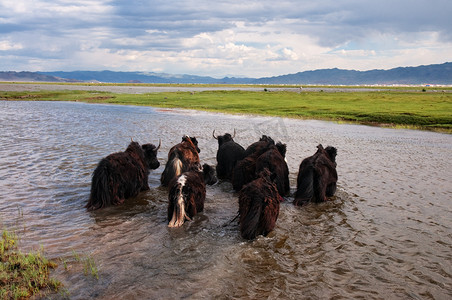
(31, 76)
(142, 77)
(429, 74)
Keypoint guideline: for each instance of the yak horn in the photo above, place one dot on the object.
(234, 134)
(213, 134)
(131, 139)
(160, 143)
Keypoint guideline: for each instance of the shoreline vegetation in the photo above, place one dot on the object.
(28, 275)
(412, 107)
(23, 275)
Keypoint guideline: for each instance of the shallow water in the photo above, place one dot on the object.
(386, 235)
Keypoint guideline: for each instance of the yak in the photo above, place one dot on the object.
(260, 146)
(274, 160)
(245, 169)
(187, 194)
(181, 158)
(122, 175)
(258, 206)
(228, 154)
(263, 154)
(317, 176)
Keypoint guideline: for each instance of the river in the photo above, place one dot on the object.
(386, 235)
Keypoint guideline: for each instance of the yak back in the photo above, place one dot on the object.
(315, 172)
(260, 146)
(274, 161)
(191, 188)
(117, 177)
(258, 206)
(182, 157)
(228, 154)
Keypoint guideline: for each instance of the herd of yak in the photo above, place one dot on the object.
(259, 173)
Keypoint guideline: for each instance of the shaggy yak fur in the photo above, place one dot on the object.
(258, 206)
(122, 175)
(187, 194)
(228, 154)
(260, 146)
(181, 158)
(317, 176)
(274, 160)
(263, 154)
(245, 169)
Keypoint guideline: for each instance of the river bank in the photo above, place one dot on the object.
(415, 109)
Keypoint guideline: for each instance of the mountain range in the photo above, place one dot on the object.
(426, 74)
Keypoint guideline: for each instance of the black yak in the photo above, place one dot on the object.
(260, 146)
(274, 160)
(317, 176)
(187, 194)
(181, 158)
(228, 154)
(245, 169)
(258, 206)
(122, 175)
(263, 154)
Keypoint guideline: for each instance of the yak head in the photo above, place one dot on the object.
(266, 138)
(282, 148)
(150, 155)
(223, 138)
(209, 174)
(332, 152)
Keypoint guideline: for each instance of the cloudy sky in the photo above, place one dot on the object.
(254, 38)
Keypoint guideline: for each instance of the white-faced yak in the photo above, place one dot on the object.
(258, 206)
(187, 194)
(228, 154)
(317, 176)
(181, 158)
(122, 175)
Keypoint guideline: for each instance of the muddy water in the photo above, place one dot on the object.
(387, 235)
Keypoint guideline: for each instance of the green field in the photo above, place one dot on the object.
(421, 109)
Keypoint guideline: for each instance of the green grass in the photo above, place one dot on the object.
(23, 275)
(414, 109)
(89, 265)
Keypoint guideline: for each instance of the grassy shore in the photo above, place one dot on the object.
(419, 109)
(23, 275)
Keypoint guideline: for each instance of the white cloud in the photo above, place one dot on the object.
(253, 38)
(7, 45)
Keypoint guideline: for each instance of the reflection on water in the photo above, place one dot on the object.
(386, 235)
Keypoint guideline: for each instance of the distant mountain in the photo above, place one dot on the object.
(141, 77)
(429, 74)
(31, 76)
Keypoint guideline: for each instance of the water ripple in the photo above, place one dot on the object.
(387, 233)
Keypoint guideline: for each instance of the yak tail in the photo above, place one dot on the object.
(318, 195)
(173, 168)
(177, 199)
(100, 195)
(307, 186)
(249, 226)
(331, 189)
